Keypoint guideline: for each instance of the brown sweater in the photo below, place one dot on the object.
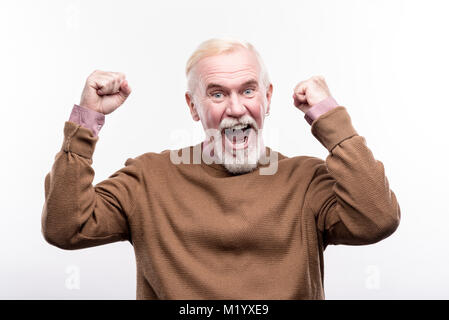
(199, 232)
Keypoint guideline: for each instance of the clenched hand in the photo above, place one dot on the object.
(105, 91)
(310, 92)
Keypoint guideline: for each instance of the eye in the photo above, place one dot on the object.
(217, 95)
(248, 91)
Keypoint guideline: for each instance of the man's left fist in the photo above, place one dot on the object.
(310, 92)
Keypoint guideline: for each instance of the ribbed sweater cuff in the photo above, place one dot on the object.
(78, 140)
(333, 127)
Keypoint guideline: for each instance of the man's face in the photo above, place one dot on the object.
(229, 93)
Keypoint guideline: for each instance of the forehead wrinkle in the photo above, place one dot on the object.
(228, 75)
(226, 69)
(218, 66)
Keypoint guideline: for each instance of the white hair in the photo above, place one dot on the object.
(216, 46)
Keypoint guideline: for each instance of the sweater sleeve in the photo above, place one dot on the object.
(349, 193)
(77, 214)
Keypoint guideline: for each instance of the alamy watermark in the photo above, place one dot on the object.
(72, 282)
(254, 154)
(372, 280)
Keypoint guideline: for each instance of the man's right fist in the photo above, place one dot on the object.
(105, 91)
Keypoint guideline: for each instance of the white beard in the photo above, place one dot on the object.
(238, 161)
(243, 160)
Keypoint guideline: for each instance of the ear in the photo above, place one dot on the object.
(192, 107)
(269, 94)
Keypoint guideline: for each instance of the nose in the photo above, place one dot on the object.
(235, 108)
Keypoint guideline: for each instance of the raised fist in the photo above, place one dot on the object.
(310, 92)
(105, 91)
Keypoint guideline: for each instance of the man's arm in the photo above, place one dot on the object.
(349, 193)
(77, 214)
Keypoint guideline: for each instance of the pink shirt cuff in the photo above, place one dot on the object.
(320, 108)
(87, 118)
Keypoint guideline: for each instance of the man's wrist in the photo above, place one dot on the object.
(87, 118)
(320, 108)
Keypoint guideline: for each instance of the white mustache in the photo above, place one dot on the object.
(232, 122)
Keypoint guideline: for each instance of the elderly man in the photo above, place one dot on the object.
(214, 226)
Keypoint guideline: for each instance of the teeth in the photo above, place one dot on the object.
(236, 135)
(239, 127)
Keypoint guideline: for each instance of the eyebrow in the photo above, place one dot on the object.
(217, 86)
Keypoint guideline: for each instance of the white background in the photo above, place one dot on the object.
(385, 61)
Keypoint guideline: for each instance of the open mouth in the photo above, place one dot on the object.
(238, 135)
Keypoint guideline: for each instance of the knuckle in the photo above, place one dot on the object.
(94, 75)
(115, 75)
(96, 72)
(109, 80)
